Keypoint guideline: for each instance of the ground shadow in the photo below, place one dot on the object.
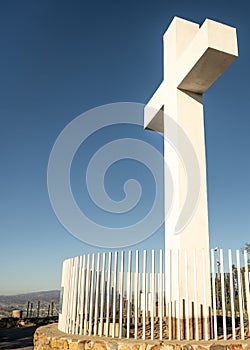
(17, 338)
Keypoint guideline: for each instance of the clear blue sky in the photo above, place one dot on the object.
(61, 58)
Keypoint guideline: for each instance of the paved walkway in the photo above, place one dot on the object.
(17, 338)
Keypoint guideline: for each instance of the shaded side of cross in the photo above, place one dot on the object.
(194, 58)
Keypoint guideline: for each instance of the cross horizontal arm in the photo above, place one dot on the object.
(209, 54)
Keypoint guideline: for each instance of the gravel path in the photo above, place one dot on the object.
(17, 338)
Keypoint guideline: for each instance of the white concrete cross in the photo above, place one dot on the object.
(194, 57)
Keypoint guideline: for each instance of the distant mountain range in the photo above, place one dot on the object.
(8, 303)
(43, 296)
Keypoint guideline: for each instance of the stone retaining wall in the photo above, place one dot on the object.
(49, 338)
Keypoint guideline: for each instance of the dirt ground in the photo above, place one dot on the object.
(17, 338)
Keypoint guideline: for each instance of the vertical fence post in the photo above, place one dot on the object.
(195, 298)
(121, 294)
(169, 300)
(70, 281)
(66, 296)
(178, 311)
(231, 292)
(70, 273)
(161, 295)
(38, 309)
(214, 296)
(114, 295)
(31, 310)
(205, 295)
(28, 309)
(187, 296)
(82, 297)
(223, 295)
(67, 293)
(86, 311)
(108, 294)
(52, 308)
(78, 294)
(62, 301)
(71, 276)
(247, 292)
(92, 287)
(73, 298)
(128, 291)
(240, 293)
(76, 278)
(144, 291)
(136, 284)
(102, 292)
(97, 292)
(152, 293)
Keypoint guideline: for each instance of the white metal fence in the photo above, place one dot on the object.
(126, 294)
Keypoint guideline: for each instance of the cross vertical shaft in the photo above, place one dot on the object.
(194, 57)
